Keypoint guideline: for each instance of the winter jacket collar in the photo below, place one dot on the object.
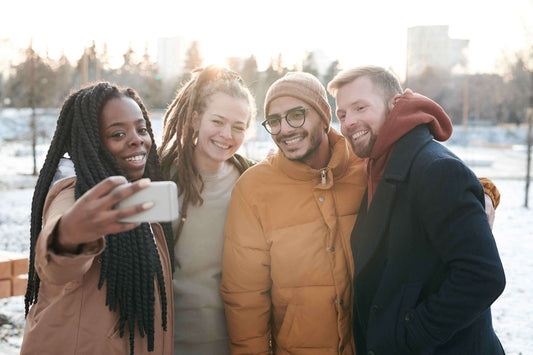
(241, 162)
(405, 151)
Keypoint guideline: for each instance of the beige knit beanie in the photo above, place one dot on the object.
(303, 86)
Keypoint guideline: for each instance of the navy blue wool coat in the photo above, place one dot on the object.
(426, 264)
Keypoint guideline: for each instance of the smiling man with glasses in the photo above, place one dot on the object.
(286, 281)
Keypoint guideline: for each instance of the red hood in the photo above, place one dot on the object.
(410, 110)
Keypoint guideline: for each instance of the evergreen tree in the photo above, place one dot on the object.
(87, 69)
(193, 59)
(103, 59)
(250, 74)
(64, 73)
(267, 78)
(129, 63)
(278, 66)
(309, 65)
(150, 88)
(31, 84)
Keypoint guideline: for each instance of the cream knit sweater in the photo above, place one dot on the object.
(199, 321)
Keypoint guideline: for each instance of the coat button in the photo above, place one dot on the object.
(335, 301)
(409, 317)
(374, 309)
(342, 348)
(321, 199)
(341, 302)
(330, 248)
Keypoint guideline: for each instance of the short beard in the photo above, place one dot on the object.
(312, 150)
(314, 144)
(364, 152)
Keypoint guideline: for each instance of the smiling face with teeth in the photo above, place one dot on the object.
(362, 110)
(221, 128)
(124, 133)
(308, 143)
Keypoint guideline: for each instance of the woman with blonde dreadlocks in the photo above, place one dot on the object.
(203, 128)
(96, 285)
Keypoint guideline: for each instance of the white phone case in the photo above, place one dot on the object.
(164, 195)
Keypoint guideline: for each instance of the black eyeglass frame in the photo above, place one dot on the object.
(280, 118)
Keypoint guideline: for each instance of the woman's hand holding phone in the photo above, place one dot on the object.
(92, 216)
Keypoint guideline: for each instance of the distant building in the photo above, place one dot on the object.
(171, 53)
(432, 47)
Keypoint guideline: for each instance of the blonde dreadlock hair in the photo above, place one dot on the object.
(179, 137)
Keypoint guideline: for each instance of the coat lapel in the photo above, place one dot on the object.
(372, 225)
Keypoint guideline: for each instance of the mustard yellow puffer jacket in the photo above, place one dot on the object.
(287, 265)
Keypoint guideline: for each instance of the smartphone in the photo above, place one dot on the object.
(164, 195)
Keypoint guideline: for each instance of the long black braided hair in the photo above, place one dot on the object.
(130, 260)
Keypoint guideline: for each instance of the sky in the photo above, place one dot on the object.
(354, 32)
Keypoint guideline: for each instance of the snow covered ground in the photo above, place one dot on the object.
(513, 231)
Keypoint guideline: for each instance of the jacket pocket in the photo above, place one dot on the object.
(308, 326)
(286, 326)
(406, 314)
(113, 343)
(114, 331)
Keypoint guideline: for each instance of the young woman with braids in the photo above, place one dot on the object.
(203, 128)
(95, 285)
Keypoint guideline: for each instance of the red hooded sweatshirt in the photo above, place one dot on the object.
(411, 110)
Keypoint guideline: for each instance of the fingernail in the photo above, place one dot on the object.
(144, 182)
(119, 178)
(147, 205)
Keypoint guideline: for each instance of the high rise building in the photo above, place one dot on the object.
(171, 54)
(432, 47)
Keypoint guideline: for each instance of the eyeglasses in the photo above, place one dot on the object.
(295, 117)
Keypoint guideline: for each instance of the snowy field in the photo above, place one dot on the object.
(513, 231)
